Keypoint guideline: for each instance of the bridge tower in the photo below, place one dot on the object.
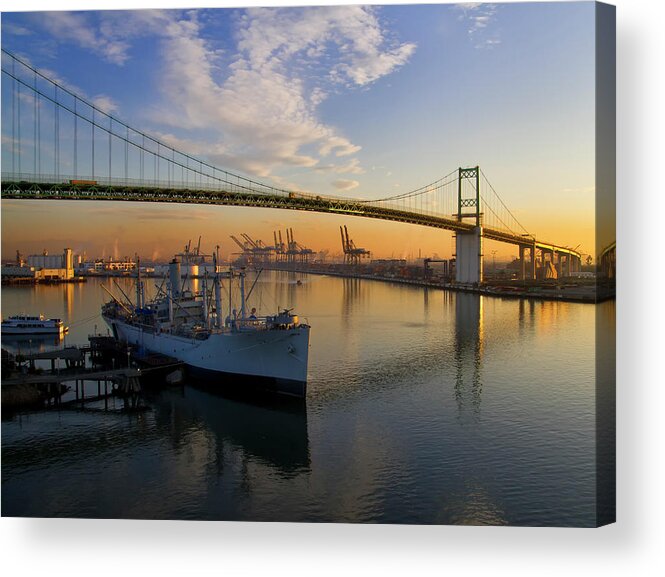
(469, 245)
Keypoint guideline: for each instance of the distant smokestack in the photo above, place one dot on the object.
(68, 259)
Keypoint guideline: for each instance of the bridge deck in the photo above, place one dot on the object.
(28, 190)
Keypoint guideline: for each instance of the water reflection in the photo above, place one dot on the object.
(471, 505)
(354, 292)
(526, 314)
(68, 298)
(284, 292)
(277, 436)
(29, 344)
(392, 431)
(468, 353)
(193, 445)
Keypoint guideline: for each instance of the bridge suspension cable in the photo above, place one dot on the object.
(435, 199)
(495, 212)
(427, 189)
(513, 218)
(191, 168)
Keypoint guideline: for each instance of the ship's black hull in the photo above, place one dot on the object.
(246, 384)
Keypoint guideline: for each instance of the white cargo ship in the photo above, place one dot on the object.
(242, 350)
(32, 325)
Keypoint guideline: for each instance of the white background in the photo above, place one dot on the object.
(633, 546)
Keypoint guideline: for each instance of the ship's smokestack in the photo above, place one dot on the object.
(174, 277)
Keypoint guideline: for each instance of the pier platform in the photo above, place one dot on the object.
(99, 363)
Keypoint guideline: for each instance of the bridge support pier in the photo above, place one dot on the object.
(574, 264)
(531, 272)
(547, 261)
(469, 255)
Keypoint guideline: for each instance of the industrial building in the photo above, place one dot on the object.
(42, 267)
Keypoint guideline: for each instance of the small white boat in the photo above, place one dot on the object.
(32, 325)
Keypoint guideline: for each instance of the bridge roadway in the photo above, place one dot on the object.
(30, 190)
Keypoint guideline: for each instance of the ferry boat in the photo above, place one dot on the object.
(242, 350)
(33, 325)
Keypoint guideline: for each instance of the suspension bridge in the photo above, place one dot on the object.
(58, 145)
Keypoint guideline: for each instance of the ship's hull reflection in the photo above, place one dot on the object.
(272, 430)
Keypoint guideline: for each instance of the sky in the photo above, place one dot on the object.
(361, 101)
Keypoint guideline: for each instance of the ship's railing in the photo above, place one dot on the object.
(257, 324)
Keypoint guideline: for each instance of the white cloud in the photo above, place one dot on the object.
(253, 106)
(267, 104)
(15, 29)
(76, 26)
(372, 65)
(468, 5)
(106, 33)
(343, 184)
(478, 17)
(340, 145)
(351, 167)
(105, 103)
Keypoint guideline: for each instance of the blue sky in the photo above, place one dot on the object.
(349, 100)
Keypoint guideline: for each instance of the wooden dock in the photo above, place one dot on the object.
(26, 386)
(64, 376)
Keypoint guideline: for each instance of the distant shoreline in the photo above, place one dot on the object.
(512, 292)
(587, 294)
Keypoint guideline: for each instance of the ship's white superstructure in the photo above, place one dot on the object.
(32, 325)
(245, 350)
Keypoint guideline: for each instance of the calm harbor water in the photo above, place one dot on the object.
(423, 406)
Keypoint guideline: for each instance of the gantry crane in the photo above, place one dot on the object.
(260, 251)
(280, 252)
(295, 251)
(352, 253)
(246, 252)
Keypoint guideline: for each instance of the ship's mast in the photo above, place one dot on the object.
(230, 286)
(242, 295)
(139, 304)
(218, 293)
(174, 285)
(205, 299)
